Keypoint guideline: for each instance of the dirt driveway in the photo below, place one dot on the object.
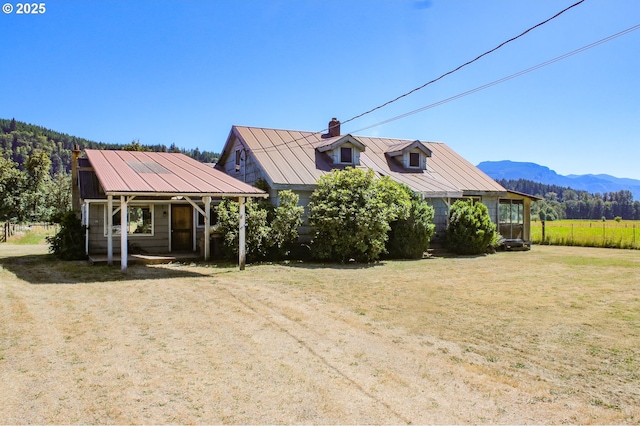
(197, 344)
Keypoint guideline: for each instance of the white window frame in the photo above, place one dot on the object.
(351, 149)
(417, 166)
(116, 226)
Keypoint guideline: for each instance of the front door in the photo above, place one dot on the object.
(181, 227)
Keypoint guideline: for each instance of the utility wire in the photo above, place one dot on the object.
(502, 80)
(463, 65)
(429, 82)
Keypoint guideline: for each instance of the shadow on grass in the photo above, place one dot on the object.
(47, 269)
(315, 265)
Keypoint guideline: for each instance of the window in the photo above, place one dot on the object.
(213, 217)
(139, 220)
(238, 160)
(414, 159)
(511, 218)
(346, 155)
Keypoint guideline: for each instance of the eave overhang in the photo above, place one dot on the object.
(335, 142)
(401, 148)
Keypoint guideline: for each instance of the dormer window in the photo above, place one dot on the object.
(410, 154)
(342, 150)
(346, 155)
(414, 159)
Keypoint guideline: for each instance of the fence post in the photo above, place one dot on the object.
(572, 233)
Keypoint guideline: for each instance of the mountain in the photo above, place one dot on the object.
(531, 171)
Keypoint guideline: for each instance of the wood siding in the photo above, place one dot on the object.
(156, 243)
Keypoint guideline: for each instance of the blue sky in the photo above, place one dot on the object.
(184, 72)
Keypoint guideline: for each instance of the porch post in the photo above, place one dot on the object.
(448, 210)
(207, 228)
(85, 222)
(241, 235)
(124, 253)
(110, 230)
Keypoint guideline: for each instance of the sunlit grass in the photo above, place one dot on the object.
(31, 237)
(588, 233)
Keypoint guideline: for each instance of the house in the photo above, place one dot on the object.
(289, 159)
(167, 197)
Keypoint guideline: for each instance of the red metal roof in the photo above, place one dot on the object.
(153, 173)
(291, 158)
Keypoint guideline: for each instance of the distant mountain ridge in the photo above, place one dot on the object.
(592, 183)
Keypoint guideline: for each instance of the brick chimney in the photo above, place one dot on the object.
(334, 127)
(75, 187)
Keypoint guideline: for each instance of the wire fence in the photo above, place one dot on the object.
(13, 229)
(611, 234)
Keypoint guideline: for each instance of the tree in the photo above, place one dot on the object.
(409, 238)
(135, 146)
(58, 196)
(470, 228)
(11, 184)
(351, 212)
(37, 176)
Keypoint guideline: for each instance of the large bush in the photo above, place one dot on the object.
(269, 230)
(68, 243)
(409, 238)
(351, 212)
(470, 228)
(284, 222)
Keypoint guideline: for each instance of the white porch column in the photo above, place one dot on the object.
(110, 230)
(85, 222)
(241, 235)
(124, 253)
(207, 228)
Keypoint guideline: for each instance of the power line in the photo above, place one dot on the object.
(502, 80)
(432, 81)
(463, 65)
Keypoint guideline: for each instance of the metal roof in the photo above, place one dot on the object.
(162, 173)
(290, 158)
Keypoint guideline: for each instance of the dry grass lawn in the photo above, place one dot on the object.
(546, 336)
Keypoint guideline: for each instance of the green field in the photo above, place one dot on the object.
(588, 233)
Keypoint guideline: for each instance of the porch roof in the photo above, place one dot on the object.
(163, 174)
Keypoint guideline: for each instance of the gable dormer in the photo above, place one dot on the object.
(343, 150)
(412, 155)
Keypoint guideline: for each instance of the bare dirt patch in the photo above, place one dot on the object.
(547, 336)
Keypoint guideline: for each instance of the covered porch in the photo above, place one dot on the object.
(146, 206)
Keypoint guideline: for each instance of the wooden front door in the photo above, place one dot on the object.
(181, 227)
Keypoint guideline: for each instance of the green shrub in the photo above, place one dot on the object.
(68, 243)
(284, 222)
(256, 228)
(470, 228)
(409, 238)
(269, 230)
(351, 212)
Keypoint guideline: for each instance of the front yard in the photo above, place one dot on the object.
(546, 336)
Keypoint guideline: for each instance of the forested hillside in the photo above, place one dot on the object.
(566, 203)
(35, 166)
(18, 140)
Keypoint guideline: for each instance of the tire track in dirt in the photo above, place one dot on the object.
(413, 382)
(287, 326)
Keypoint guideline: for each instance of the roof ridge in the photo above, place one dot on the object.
(274, 129)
